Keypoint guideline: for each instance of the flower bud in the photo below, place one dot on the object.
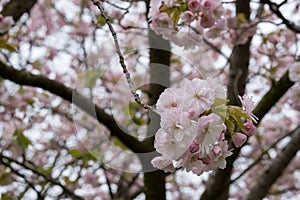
(217, 150)
(249, 128)
(205, 160)
(194, 147)
(194, 5)
(239, 139)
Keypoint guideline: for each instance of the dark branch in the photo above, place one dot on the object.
(17, 8)
(238, 74)
(275, 9)
(269, 177)
(49, 179)
(278, 89)
(25, 78)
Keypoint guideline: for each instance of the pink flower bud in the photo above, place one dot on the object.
(194, 5)
(187, 17)
(205, 160)
(209, 5)
(194, 147)
(192, 114)
(239, 139)
(5, 23)
(207, 20)
(217, 150)
(249, 128)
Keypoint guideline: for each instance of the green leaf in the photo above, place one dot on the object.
(138, 121)
(101, 21)
(5, 178)
(4, 197)
(88, 157)
(21, 139)
(5, 45)
(220, 102)
(120, 144)
(75, 152)
(241, 19)
(230, 126)
(133, 109)
(90, 77)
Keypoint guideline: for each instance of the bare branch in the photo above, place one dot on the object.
(272, 96)
(269, 177)
(275, 9)
(121, 57)
(260, 157)
(16, 8)
(22, 77)
(49, 179)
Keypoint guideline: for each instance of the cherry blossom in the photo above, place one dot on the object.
(5, 23)
(239, 139)
(294, 72)
(192, 129)
(194, 5)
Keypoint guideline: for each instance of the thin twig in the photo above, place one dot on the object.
(259, 158)
(121, 57)
(41, 174)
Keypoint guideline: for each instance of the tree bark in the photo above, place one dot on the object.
(17, 8)
(219, 182)
(154, 181)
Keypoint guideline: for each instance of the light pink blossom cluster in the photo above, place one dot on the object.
(168, 14)
(194, 120)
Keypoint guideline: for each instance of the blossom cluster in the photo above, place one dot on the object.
(206, 17)
(168, 14)
(194, 120)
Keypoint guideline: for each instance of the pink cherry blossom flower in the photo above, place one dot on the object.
(218, 155)
(175, 134)
(5, 23)
(294, 72)
(163, 164)
(91, 179)
(194, 5)
(209, 5)
(187, 17)
(217, 150)
(193, 114)
(168, 99)
(205, 160)
(162, 20)
(239, 139)
(207, 20)
(194, 147)
(249, 128)
(209, 130)
(248, 106)
(198, 95)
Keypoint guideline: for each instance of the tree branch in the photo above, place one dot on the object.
(31, 185)
(238, 74)
(275, 9)
(269, 177)
(277, 90)
(49, 179)
(22, 77)
(121, 57)
(17, 8)
(260, 157)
